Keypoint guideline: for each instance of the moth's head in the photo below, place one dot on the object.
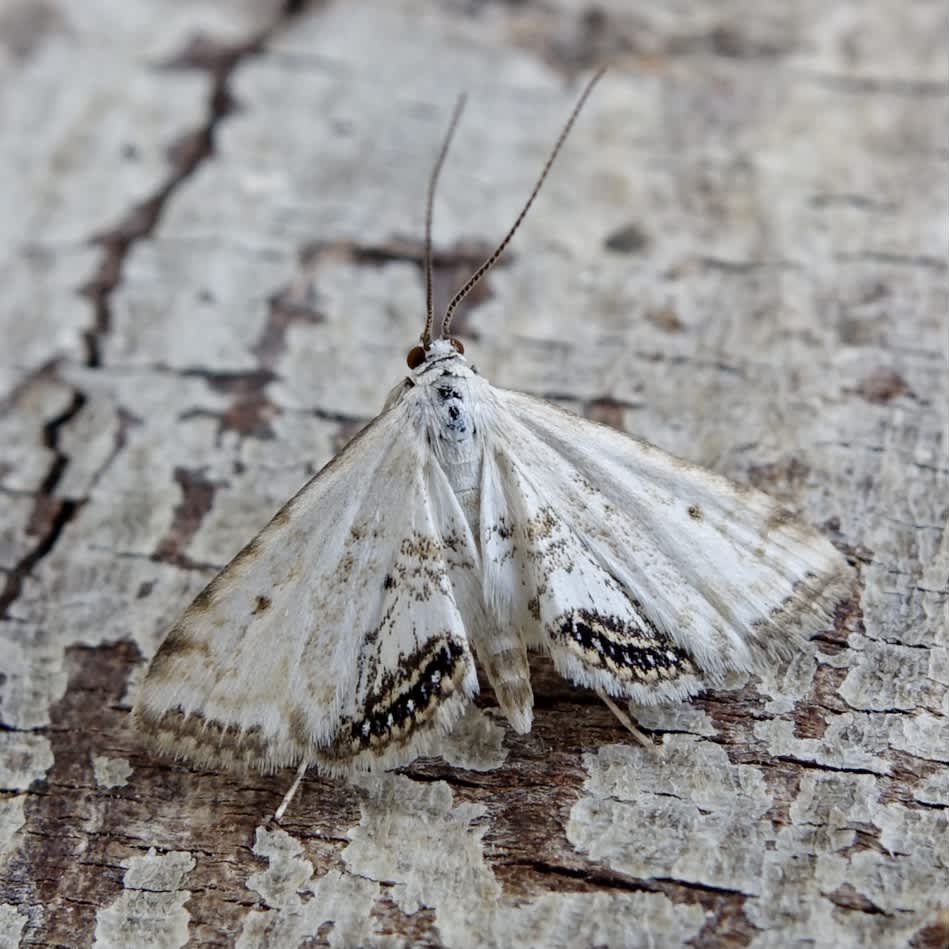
(421, 356)
(441, 357)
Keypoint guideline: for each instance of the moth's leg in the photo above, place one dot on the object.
(628, 722)
(288, 797)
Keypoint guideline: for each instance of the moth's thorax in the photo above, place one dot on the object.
(448, 396)
(450, 399)
(448, 391)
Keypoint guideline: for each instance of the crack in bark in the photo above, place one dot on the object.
(50, 514)
(186, 156)
(811, 765)
(197, 499)
(177, 560)
(847, 897)
(874, 85)
(726, 923)
(445, 775)
(598, 877)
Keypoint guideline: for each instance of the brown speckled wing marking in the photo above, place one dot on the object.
(333, 636)
(643, 575)
(565, 601)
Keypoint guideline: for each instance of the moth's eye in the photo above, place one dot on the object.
(457, 345)
(415, 357)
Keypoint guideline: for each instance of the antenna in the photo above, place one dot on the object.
(490, 262)
(432, 183)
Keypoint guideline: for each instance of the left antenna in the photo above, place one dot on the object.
(432, 184)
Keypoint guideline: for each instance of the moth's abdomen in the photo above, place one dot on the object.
(453, 432)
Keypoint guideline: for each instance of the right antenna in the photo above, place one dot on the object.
(492, 260)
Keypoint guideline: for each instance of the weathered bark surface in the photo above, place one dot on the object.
(210, 217)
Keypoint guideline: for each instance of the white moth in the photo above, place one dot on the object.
(470, 522)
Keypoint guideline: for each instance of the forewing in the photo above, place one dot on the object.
(644, 575)
(333, 636)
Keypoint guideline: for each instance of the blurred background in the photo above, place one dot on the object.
(211, 215)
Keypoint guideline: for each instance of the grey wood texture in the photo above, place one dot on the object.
(210, 225)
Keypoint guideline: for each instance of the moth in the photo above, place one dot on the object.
(468, 522)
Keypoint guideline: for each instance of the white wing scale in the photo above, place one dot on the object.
(334, 636)
(641, 574)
